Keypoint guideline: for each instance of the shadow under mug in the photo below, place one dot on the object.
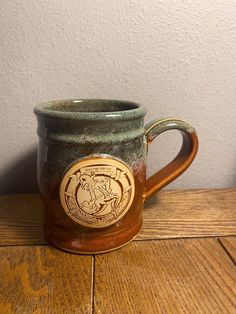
(91, 170)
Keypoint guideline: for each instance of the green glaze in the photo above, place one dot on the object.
(90, 109)
(73, 129)
(90, 121)
(155, 128)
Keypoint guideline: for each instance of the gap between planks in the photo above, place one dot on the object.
(93, 280)
(226, 250)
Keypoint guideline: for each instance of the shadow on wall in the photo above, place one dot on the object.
(234, 179)
(20, 177)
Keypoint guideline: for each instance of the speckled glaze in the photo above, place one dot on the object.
(70, 130)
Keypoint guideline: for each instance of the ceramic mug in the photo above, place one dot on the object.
(92, 170)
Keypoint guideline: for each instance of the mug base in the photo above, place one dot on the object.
(92, 243)
(91, 252)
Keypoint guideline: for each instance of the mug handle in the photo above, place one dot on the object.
(183, 159)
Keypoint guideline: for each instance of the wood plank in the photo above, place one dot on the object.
(229, 244)
(42, 279)
(190, 213)
(21, 219)
(172, 214)
(168, 276)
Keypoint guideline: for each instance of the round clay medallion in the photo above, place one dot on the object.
(97, 191)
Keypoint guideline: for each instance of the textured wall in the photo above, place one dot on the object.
(175, 57)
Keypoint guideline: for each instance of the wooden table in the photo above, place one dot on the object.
(183, 261)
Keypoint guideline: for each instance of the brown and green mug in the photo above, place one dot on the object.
(92, 170)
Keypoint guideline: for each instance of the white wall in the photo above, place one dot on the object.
(178, 58)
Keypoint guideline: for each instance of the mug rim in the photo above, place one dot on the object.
(48, 109)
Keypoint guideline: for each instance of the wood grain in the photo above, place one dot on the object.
(21, 219)
(196, 213)
(229, 244)
(172, 214)
(168, 276)
(44, 280)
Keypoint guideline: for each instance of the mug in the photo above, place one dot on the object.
(91, 170)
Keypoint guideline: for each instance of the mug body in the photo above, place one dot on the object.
(91, 172)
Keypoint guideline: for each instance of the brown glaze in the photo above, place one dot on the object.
(180, 163)
(69, 235)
